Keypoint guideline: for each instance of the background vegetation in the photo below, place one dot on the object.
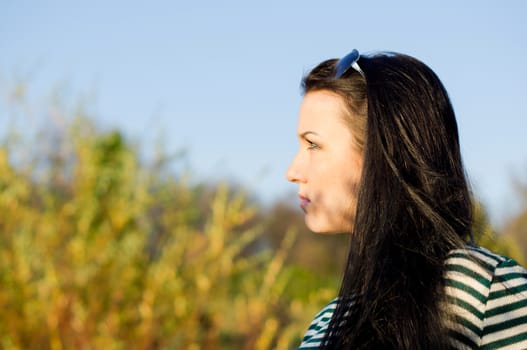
(101, 248)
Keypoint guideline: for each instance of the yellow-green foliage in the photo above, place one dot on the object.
(487, 237)
(100, 252)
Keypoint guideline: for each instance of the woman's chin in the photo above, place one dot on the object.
(317, 225)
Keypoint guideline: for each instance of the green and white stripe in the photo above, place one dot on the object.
(486, 294)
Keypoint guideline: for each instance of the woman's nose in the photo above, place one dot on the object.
(294, 173)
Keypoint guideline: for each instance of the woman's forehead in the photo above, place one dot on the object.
(321, 111)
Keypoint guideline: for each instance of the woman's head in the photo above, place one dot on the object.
(331, 132)
(389, 170)
(403, 135)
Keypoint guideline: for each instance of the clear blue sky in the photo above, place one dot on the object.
(221, 78)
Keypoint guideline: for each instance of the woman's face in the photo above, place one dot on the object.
(327, 167)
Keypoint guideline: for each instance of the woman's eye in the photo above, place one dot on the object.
(312, 145)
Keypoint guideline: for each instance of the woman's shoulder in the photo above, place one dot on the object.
(488, 294)
(481, 272)
(473, 253)
(481, 264)
(318, 327)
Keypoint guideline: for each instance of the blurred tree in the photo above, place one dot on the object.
(516, 227)
(323, 255)
(101, 250)
(486, 236)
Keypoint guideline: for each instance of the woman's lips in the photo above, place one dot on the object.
(304, 201)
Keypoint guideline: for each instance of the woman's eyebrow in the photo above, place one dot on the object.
(305, 133)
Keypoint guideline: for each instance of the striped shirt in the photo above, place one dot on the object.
(486, 293)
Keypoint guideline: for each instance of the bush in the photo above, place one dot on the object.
(99, 251)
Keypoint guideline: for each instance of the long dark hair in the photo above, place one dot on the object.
(414, 205)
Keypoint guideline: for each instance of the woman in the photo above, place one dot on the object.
(379, 158)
